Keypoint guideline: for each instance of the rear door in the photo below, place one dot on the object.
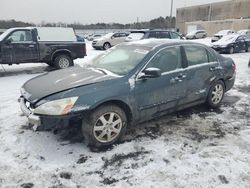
(164, 35)
(22, 45)
(202, 69)
(240, 44)
(156, 95)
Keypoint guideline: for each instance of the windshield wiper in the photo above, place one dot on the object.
(102, 70)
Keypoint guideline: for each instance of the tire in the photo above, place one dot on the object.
(106, 46)
(50, 64)
(63, 61)
(248, 49)
(216, 94)
(231, 50)
(194, 37)
(104, 126)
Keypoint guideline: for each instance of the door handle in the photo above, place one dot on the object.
(215, 68)
(178, 78)
(181, 76)
(31, 46)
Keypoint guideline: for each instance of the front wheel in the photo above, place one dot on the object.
(105, 126)
(106, 46)
(63, 61)
(231, 50)
(216, 94)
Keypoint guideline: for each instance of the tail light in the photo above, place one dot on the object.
(233, 67)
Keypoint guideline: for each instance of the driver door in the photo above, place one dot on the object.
(19, 47)
(118, 38)
(156, 95)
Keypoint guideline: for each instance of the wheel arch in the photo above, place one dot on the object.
(124, 106)
(60, 52)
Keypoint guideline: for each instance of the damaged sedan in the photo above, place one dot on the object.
(129, 84)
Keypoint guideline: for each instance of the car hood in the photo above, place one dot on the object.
(61, 80)
(222, 42)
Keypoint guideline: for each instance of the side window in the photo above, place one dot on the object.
(21, 36)
(152, 35)
(167, 59)
(196, 55)
(211, 57)
(116, 35)
(239, 39)
(175, 35)
(164, 35)
(123, 35)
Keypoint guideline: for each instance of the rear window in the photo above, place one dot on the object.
(164, 35)
(136, 36)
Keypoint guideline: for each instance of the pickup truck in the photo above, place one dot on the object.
(57, 47)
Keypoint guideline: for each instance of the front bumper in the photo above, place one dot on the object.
(97, 46)
(220, 49)
(32, 119)
(229, 83)
(46, 122)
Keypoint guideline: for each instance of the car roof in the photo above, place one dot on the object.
(150, 30)
(154, 43)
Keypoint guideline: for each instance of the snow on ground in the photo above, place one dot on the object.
(196, 147)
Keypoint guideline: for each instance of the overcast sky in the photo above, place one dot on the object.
(90, 11)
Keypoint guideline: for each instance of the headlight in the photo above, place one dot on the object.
(56, 107)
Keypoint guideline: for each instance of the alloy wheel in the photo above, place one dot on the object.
(217, 93)
(64, 63)
(107, 127)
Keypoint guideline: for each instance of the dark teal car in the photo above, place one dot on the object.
(129, 84)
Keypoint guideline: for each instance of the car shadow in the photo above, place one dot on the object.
(38, 69)
(150, 129)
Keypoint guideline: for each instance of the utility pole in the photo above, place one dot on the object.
(171, 13)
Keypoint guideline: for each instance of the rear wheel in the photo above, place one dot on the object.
(105, 126)
(63, 61)
(248, 49)
(216, 94)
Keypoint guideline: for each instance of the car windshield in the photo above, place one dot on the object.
(228, 38)
(108, 35)
(120, 60)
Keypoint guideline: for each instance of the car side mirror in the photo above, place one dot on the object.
(150, 72)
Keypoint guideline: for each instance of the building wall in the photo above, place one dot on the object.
(234, 9)
(213, 27)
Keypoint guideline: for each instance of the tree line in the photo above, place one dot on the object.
(159, 23)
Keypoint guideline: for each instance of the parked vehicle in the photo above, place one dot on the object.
(55, 46)
(94, 37)
(109, 40)
(197, 34)
(130, 84)
(157, 34)
(232, 43)
(220, 34)
(244, 32)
